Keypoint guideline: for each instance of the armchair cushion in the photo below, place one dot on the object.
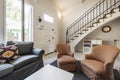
(66, 60)
(63, 49)
(94, 66)
(105, 53)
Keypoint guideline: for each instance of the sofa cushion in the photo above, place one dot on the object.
(8, 53)
(5, 69)
(23, 47)
(94, 66)
(23, 61)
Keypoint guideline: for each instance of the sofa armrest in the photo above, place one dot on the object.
(38, 52)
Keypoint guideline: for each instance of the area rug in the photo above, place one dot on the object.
(78, 75)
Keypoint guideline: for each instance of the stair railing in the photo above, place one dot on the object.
(89, 18)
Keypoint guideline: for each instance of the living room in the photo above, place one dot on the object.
(49, 22)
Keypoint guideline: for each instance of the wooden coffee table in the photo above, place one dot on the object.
(50, 72)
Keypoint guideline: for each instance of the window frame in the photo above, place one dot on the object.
(22, 21)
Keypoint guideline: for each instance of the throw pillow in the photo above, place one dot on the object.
(8, 53)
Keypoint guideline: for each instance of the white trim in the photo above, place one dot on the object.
(4, 20)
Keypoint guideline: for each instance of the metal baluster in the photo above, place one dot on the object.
(107, 5)
(67, 36)
(87, 19)
(78, 27)
(91, 18)
(103, 7)
(85, 22)
(114, 3)
(97, 9)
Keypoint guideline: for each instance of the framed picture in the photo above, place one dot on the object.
(106, 29)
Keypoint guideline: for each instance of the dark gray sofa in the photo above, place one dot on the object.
(30, 60)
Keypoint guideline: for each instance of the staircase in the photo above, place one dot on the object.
(101, 13)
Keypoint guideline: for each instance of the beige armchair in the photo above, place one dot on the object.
(65, 58)
(98, 65)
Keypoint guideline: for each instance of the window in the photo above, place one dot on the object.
(13, 20)
(48, 18)
(14, 23)
(28, 23)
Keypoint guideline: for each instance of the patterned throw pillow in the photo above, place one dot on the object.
(8, 53)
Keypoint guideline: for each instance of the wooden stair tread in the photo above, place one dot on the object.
(85, 29)
(76, 36)
(94, 23)
(80, 33)
(97, 21)
(68, 41)
(112, 11)
(100, 19)
(89, 26)
(105, 16)
(72, 39)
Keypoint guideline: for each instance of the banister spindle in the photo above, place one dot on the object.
(78, 26)
(103, 7)
(114, 3)
(96, 13)
(87, 18)
(93, 14)
(100, 8)
(107, 5)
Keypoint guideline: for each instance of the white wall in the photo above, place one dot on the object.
(108, 38)
(75, 11)
(1, 20)
(46, 38)
(43, 38)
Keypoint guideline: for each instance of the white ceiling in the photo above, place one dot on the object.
(65, 4)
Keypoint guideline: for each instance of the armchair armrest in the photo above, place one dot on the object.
(58, 55)
(88, 56)
(108, 67)
(71, 54)
(38, 52)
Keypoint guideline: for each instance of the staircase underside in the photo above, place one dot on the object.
(76, 38)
